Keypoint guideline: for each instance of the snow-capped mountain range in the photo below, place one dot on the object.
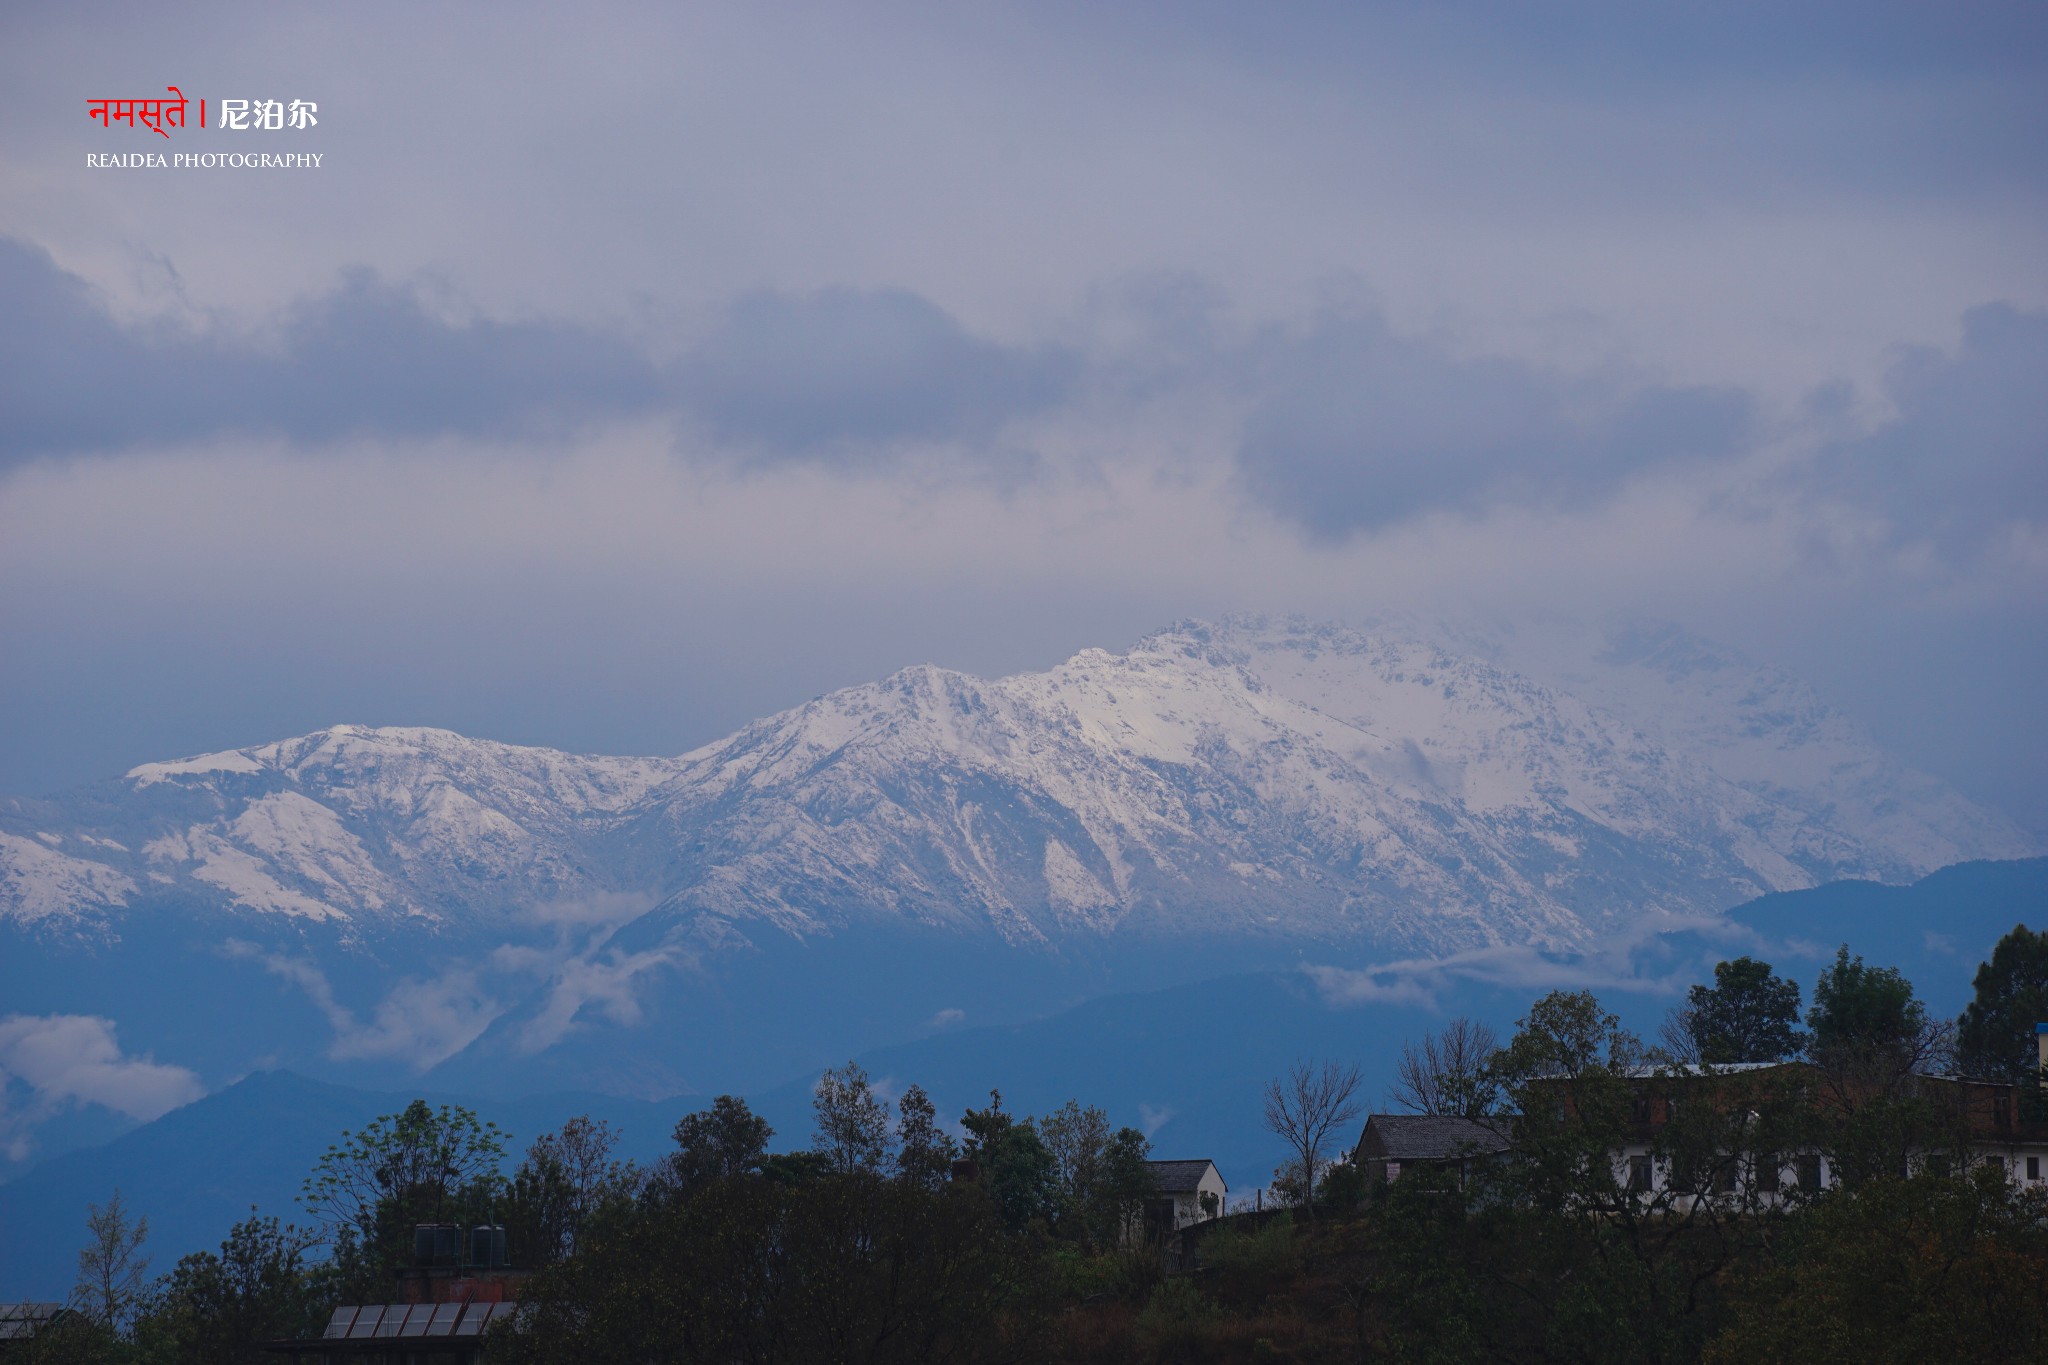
(1265, 777)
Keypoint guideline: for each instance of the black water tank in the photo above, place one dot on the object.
(437, 1245)
(487, 1247)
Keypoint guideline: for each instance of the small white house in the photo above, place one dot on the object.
(1185, 1192)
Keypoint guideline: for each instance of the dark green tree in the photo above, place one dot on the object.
(424, 1165)
(1869, 1008)
(1995, 1036)
(985, 1127)
(1749, 1014)
(843, 1267)
(216, 1308)
(1022, 1176)
(1016, 1168)
(1078, 1139)
(1118, 1202)
(1579, 1253)
(1872, 1044)
(1902, 1270)
(924, 1151)
(568, 1179)
(723, 1142)
(853, 1124)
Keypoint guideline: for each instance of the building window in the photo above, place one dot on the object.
(1639, 1175)
(1808, 1168)
(1682, 1179)
(1767, 1173)
(2033, 1168)
(1724, 1176)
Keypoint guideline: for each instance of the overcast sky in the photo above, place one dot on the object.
(626, 373)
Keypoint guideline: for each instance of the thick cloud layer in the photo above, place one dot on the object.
(365, 359)
(842, 373)
(1965, 459)
(1364, 429)
(617, 380)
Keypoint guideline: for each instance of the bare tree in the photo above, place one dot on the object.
(112, 1266)
(1449, 1072)
(1680, 1035)
(1303, 1108)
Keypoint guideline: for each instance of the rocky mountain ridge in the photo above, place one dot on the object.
(1269, 777)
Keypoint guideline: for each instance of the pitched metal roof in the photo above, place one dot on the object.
(1180, 1177)
(1428, 1137)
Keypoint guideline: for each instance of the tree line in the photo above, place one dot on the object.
(863, 1247)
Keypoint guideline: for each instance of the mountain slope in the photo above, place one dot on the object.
(1266, 778)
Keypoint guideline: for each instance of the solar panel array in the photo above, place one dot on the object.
(20, 1321)
(355, 1322)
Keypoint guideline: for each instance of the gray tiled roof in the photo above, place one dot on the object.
(1179, 1177)
(1426, 1137)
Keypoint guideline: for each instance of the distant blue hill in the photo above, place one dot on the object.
(1184, 1062)
(1937, 930)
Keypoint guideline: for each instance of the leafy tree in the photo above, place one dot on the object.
(1868, 1008)
(568, 1178)
(72, 1339)
(724, 1142)
(1448, 1072)
(853, 1123)
(1344, 1185)
(1749, 1014)
(423, 1165)
(795, 1168)
(1126, 1183)
(1017, 1170)
(1996, 1033)
(1078, 1140)
(842, 1268)
(1872, 1041)
(1596, 1263)
(985, 1127)
(112, 1267)
(1022, 1176)
(924, 1152)
(1903, 1270)
(215, 1308)
(1303, 1108)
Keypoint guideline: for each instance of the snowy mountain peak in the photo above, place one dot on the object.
(1259, 775)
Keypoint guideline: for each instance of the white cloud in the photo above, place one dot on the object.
(422, 1022)
(1419, 981)
(75, 1059)
(602, 981)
